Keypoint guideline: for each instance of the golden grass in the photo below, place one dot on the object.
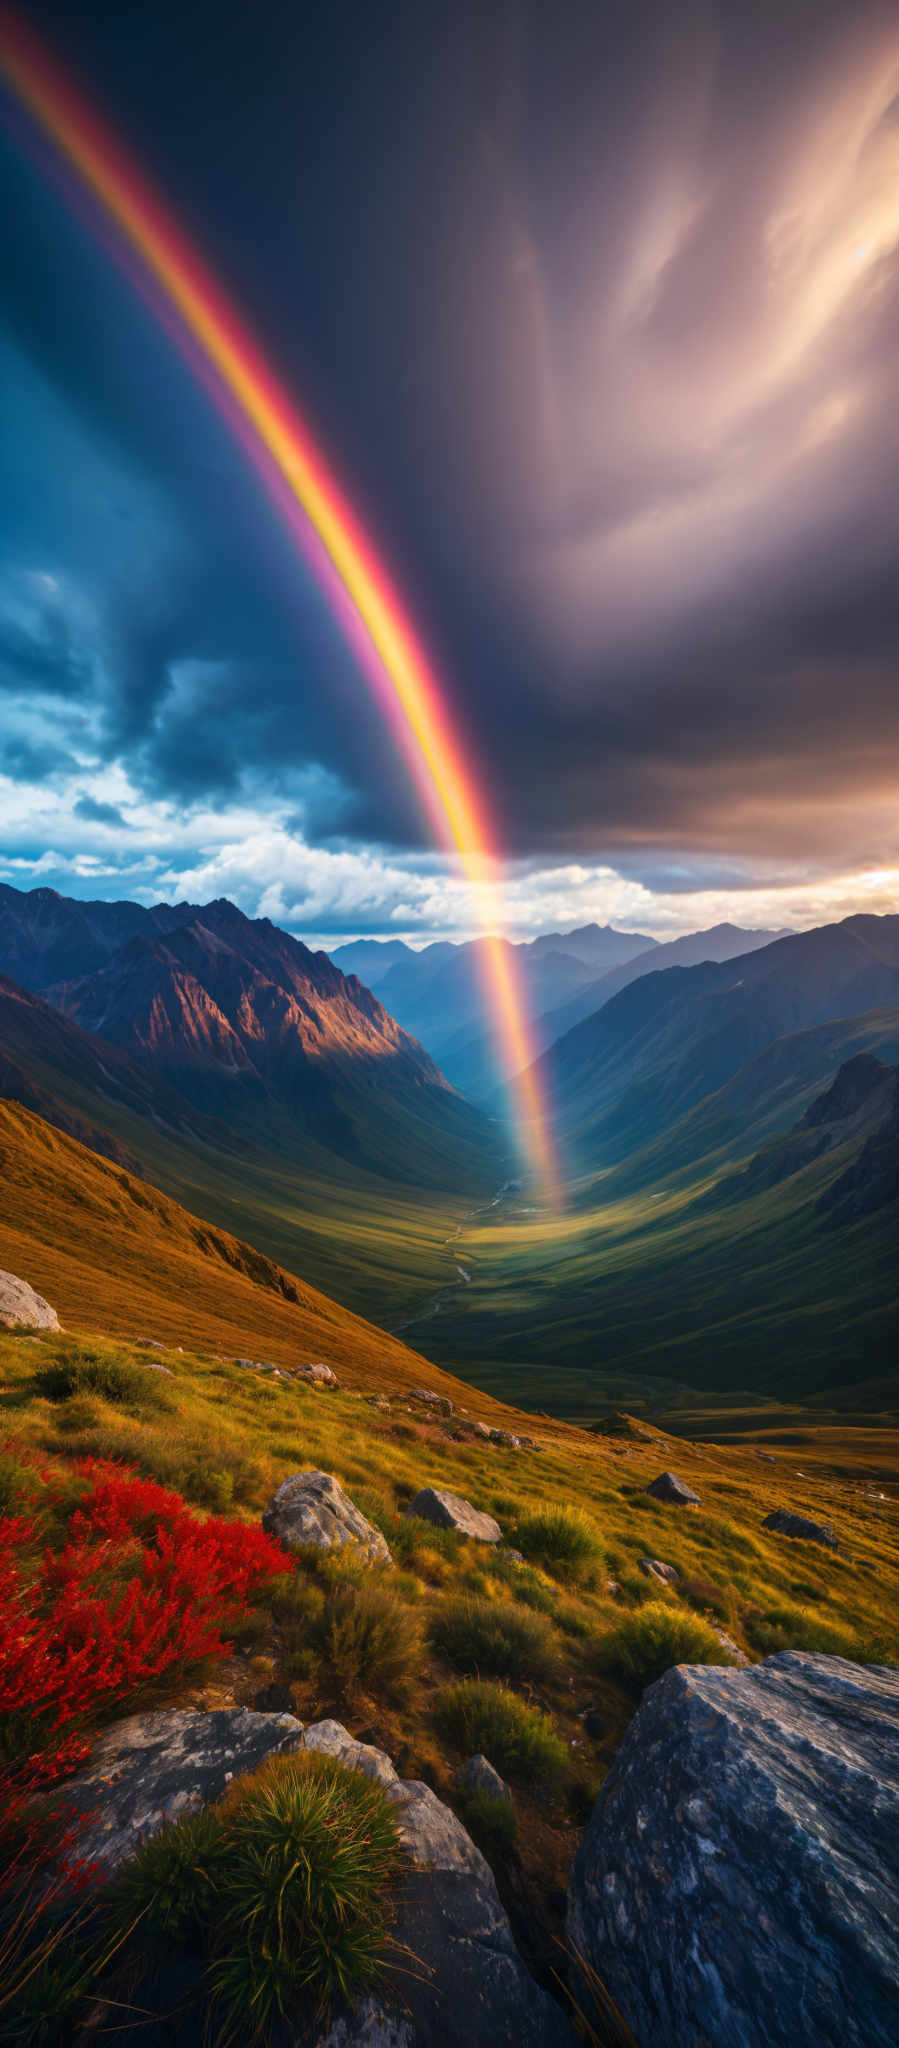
(120, 1260)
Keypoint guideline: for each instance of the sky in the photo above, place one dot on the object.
(596, 312)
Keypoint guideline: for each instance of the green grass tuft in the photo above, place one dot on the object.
(563, 1539)
(518, 1739)
(650, 1640)
(103, 1370)
(491, 1821)
(284, 1888)
(369, 1641)
(489, 1636)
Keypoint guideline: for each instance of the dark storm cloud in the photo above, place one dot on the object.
(598, 311)
(96, 813)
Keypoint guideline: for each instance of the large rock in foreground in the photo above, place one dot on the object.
(458, 1980)
(157, 1767)
(450, 1511)
(738, 1883)
(21, 1308)
(311, 1507)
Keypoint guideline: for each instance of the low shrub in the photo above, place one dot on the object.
(650, 1640)
(789, 1628)
(410, 1535)
(105, 1371)
(370, 1642)
(284, 1888)
(491, 1821)
(490, 1636)
(707, 1597)
(563, 1539)
(518, 1739)
(137, 1585)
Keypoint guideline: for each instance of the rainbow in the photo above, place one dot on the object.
(320, 522)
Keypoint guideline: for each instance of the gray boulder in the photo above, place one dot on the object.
(21, 1308)
(653, 1568)
(478, 1775)
(156, 1767)
(738, 1883)
(787, 1524)
(320, 1374)
(467, 1986)
(504, 1440)
(311, 1507)
(449, 1511)
(669, 1487)
(439, 1402)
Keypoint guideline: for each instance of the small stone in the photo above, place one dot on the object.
(787, 1524)
(450, 1511)
(438, 1402)
(21, 1308)
(321, 1374)
(311, 1507)
(727, 1643)
(653, 1568)
(669, 1487)
(478, 1775)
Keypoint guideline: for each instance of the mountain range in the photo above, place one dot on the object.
(732, 1216)
(727, 1128)
(439, 993)
(249, 1079)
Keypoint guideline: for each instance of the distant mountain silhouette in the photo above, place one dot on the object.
(671, 1038)
(439, 993)
(720, 942)
(470, 1059)
(370, 958)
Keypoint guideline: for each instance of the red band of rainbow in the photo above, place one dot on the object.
(395, 666)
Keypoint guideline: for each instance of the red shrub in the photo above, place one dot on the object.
(140, 1585)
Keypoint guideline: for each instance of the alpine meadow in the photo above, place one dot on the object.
(449, 1026)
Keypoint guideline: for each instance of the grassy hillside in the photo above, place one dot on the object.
(107, 1249)
(576, 1629)
(373, 1240)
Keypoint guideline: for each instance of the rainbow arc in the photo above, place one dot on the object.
(322, 525)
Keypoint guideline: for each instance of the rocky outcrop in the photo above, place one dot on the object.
(738, 1883)
(669, 1487)
(439, 1402)
(467, 1986)
(449, 1511)
(320, 1374)
(21, 1308)
(787, 1524)
(155, 1767)
(311, 1507)
(478, 1775)
(653, 1568)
